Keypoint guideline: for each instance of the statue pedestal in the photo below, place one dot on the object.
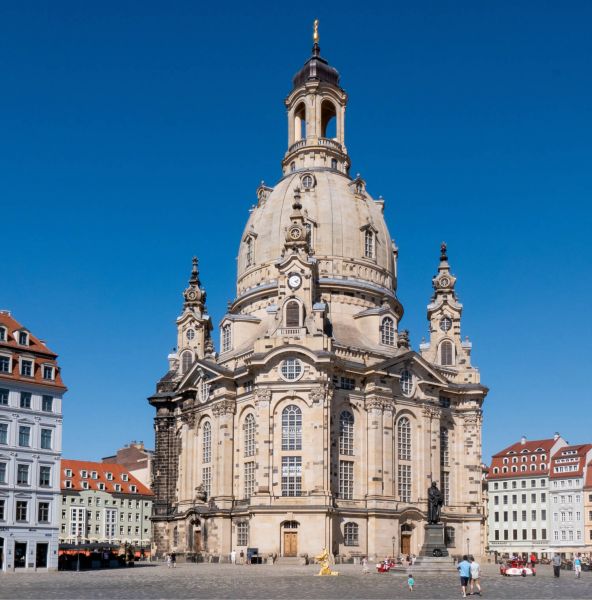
(434, 541)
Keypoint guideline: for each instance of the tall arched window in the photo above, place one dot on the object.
(346, 433)
(404, 459)
(186, 361)
(204, 390)
(404, 439)
(350, 534)
(369, 244)
(291, 428)
(443, 447)
(328, 120)
(387, 334)
(300, 123)
(250, 252)
(249, 434)
(292, 314)
(206, 442)
(226, 338)
(446, 353)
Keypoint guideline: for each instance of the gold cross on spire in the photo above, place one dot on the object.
(315, 34)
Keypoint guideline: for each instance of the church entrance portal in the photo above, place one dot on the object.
(406, 539)
(290, 538)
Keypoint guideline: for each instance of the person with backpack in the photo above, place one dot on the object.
(464, 570)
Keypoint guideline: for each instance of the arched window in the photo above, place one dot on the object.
(369, 244)
(292, 314)
(443, 447)
(328, 120)
(206, 442)
(446, 353)
(404, 459)
(387, 334)
(406, 382)
(350, 534)
(346, 433)
(249, 435)
(250, 252)
(186, 361)
(291, 428)
(226, 338)
(204, 390)
(404, 439)
(300, 123)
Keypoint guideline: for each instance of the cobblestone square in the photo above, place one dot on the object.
(155, 580)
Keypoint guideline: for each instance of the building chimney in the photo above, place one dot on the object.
(556, 436)
(523, 440)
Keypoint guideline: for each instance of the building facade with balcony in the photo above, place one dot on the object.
(103, 503)
(31, 391)
(317, 425)
(567, 499)
(519, 498)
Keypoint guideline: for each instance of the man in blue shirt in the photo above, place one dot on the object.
(464, 570)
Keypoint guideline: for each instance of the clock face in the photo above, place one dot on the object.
(294, 281)
(444, 282)
(295, 233)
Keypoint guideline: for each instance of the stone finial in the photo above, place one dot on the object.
(194, 296)
(443, 252)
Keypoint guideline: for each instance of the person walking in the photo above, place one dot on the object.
(233, 557)
(365, 569)
(174, 560)
(464, 570)
(577, 565)
(533, 560)
(169, 561)
(410, 582)
(556, 562)
(475, 576)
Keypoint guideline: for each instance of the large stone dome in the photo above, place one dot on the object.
(341, 217)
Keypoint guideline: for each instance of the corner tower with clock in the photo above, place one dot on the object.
(317, 425)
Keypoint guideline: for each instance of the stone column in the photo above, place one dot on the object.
(263, 456)
(374, 408)
(321, 473)
(224, 450)
(388, 459)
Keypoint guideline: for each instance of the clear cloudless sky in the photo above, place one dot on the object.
(133, 135)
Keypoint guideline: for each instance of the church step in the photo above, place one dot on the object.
(288, 560)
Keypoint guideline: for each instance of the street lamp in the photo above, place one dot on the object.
(468, 551)
(394, 542)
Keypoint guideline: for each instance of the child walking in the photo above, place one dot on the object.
(410, 582)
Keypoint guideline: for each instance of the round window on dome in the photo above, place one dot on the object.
(291, 369)
(406, 382)
(190, 334)
(446, 324)
(307, 181)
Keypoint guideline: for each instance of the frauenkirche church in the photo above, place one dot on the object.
(316, 425)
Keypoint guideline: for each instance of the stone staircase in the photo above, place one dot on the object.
(289, 560)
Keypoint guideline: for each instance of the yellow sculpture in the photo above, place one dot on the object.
(323, 559)
(315, 35)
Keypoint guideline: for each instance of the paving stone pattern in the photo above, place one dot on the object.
(278, 582)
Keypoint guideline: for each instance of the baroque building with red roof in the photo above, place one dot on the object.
(317, 425)
(31, 391)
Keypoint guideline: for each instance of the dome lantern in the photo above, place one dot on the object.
(316, 117)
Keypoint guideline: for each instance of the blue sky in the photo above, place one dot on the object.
(133, 136)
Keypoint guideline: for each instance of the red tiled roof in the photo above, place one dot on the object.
(508, 463)
(77, 466)
(570, 456)
(36, 350)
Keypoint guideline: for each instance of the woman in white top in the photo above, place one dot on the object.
(475, 576)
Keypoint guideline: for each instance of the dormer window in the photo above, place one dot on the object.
(226, 337)
(68, 484)
(369, 243)
(48, 372)
(117, 487)
(109, 476)
(101, 486)
(26, 368)
(23, 338)
(124, 477)
(2, 334)
(84, 485)
(387, 332)
(84, 474)
(93, 475)
(133, 489)
(68, 472)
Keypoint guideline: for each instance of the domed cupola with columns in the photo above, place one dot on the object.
(316, 424)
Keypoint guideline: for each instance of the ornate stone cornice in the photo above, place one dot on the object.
(188, 418)
(432, 412)
(262, 396)
(224, 407)
(472, 417)
(319, 394)
(375, 403)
